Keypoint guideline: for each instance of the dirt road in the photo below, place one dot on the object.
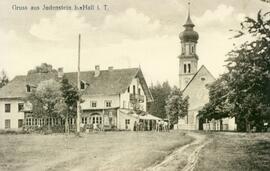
(185, 157)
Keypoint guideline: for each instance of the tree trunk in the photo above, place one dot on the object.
(247, 126)
(66, 125)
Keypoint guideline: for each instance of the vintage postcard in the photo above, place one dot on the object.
(134, 85)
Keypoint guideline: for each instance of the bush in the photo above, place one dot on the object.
(13, 132)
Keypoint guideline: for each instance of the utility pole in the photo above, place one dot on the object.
(79, 87)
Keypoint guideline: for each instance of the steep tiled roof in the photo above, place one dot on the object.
(109, 82)
(35, 78)
(15, 88)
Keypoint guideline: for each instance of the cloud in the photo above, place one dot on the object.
(62, 26)
(221, 14)
(131, 23)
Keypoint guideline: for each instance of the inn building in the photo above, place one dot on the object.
(108, 98)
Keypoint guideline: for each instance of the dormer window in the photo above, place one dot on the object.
(28, 88)
(83, 85)
(108, 103)
(93, 104)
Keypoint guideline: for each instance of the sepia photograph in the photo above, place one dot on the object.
(124, 85)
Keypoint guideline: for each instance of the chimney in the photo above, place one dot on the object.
(60, 72)
(97, 70)
(110, 68)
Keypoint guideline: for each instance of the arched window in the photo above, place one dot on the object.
(189, 68)
(185, 68)
(134, 89)
(187, 49)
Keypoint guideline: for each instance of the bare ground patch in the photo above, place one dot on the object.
(102, 151)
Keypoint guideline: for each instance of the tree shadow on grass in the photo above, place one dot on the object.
(257, 156)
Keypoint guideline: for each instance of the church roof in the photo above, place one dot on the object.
(189, 34)
(189, 22)
(195, 75)
(197, 90)
(109, 82)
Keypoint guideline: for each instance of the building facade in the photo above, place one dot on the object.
(108, 98)
(193, 83)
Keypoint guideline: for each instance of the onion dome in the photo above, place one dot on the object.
(189, 35)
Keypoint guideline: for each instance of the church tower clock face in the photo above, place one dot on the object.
(188, 59)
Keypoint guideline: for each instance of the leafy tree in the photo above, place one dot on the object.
(176, 105)
(68, 106)
(218, 106)
(160, 94)
(3, 79)
(243, 91)
(45, 98)
(43, 68)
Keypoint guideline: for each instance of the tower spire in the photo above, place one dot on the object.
(189, 23)
(188, 9)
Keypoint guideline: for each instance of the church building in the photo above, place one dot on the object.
(193, 83)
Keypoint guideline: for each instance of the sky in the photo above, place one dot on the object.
(141, 33)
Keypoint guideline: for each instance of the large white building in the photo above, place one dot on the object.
(193, 82)
(108, 96)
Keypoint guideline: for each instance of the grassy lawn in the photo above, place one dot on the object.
(100, 151)
(236, 151)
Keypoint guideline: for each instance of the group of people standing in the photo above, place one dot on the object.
(151, 125)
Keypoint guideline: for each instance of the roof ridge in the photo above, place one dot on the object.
(104, 70)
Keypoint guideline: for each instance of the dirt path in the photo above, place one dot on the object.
(185, 157)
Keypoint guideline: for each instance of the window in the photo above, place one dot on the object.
(185, 68)
(128, 90)
(7, 108)
(96, 119)
(127, 121)
(7, 123)
(134, 89)
(189, 68)
(202, 78)
(93, 104)
(192, 49)
(187, 49)
(27, 121)
(108, 103)
(139, 91)
(20, 123)
(84, 120)
(20, 107)
(82, 85)
(28, 88)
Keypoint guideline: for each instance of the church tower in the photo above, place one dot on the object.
(188, 59)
